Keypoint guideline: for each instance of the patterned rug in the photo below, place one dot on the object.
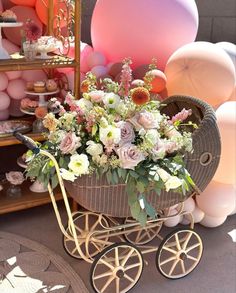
(29, 267)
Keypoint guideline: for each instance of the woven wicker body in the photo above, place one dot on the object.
(97, 196)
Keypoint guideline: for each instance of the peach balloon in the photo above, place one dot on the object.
(226, 119)
(212, 222)
(4, 115)
(217, 200)
(14, 108)
(13, 74)
(189, 205)
(173, 221)
(99, 71)
(158, 80)
(85, 51)
(197, 215)
(7, 4)
(34, 75)
(4, 101)
(16, 89)
(230, 49)
(23, 13)
(30, 3)
(115, 69)
(10, 47)
(233, 95)
(140, 71)
(203, 70)
(95, 59)
(41, 8)
(3, 81)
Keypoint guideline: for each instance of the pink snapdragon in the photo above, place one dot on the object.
(181, 116)
(126, 78)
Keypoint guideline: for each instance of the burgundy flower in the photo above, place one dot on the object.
(32, 31)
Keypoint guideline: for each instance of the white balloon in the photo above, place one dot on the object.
(189, 205)
(173, 221)
(197, 215)
(212, 222)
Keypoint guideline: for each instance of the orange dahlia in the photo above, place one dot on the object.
(84, 86)
(140, 95)
(41, 112)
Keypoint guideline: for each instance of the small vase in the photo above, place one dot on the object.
(30, 50)
(38, 126)
(14, 191)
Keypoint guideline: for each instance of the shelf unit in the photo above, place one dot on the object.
(18, 62)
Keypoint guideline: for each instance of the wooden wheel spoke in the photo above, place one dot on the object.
(104, 242)
(173, 266)
(192, 247)
(106, 264)
(86, 224)
(74, 250)
(167, 260)
(187, 240)
(183, 266)
(78, 229)
(117, 261)
(169, 249)
(192, 258)
(132, 266)
(110, 279)
(107, 274)
(94, 225)
(99, 248)
(137, 239)
(129, 278)
(127, 257)
(117, 285)
(177, 242)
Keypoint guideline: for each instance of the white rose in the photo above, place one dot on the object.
(163, 174)
(94, 149)
(111, 100)
(79, 164)
(110, 135)
(152, 137)
(67, 175)
(173, 182)
(84, 105)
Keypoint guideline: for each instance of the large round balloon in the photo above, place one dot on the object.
(1, 6)
(226, 119)
(233, 94)
(30, 3)
(34, 75)
(13, 74)
(4, 101)
(217, 200)
(85, 51)
(4, 115)
(10, 47)
(23, 13)
(3, 81)
(230, 49)
(212, 222)
(203, 70)
(14, 108)
(16, 89)
(41, 8)
(143, 29)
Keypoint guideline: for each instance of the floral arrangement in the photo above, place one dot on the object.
(118, 131)
(15, 177)
(32, 31)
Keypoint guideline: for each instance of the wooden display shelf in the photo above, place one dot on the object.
(18, 62)
(11, 140)
(28, 199)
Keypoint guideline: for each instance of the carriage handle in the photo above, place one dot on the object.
(30, 143)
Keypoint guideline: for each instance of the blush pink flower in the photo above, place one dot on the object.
(15, 177)
(127, 132)
(96, 96)
(130, 156)
(69, 143)
(149, 120)
(181, 116)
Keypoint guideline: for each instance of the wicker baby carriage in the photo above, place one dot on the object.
(115, 247)
(97, 196)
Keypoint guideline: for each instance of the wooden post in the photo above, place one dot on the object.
(77, 32)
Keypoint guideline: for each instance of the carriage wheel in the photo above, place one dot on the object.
(179, 253)
(117, 268)
(144, 235)
(84, 224)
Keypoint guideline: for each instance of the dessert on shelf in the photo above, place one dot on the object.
(29, 105)
(8, 16)
(51, 85)
(39, 87)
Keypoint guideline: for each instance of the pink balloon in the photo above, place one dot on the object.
(99, 71)
(143, 29)
(16, 89)
(115, 69)
(85, 50)
(4, 101)
(203, 70)
(95, 59)
(13, 74)
(233, 94)
(70, 77)
(7, 4)
(140, 71)
(217, 200)
(3, 81)
(197, 215)
(30, 3)
(172, 221)
(23, 13)
(212, 222)
(4, 115)
(189, 205)
(14, 108)
(1, 6)
(11, 48)
(226, 119)
(34, 75)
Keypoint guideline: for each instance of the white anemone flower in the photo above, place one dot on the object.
(79, 164)
(110, 135)
(111, 100)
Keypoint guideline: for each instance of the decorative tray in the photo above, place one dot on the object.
(8, 127)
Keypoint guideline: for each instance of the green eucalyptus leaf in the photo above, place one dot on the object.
(142, 218)
(133, 174)
(140, 187)
(135, 209)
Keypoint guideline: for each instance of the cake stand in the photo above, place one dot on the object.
(41, 96)
(3, 53)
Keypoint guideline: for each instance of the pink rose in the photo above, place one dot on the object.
(130, 156)
(96, 96)
(181, 116)
(15, 177)
(127, 132)
(171, 147)
(149, 120)
(159, 151)
(69, 143)
(172, 132)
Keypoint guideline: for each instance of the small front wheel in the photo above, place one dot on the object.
(179, 253)
(117, 268)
